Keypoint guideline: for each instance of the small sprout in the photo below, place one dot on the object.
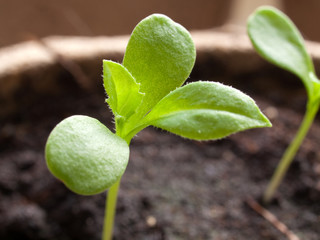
(145, 90)
(275, 38)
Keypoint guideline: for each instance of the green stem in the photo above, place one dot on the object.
(312, 109)
(111, 202)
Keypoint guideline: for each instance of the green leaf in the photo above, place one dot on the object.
(160, 56)
(276, 38)
(85, 155)
(206, 110)
(122, 89)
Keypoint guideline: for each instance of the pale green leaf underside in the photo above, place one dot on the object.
(122, 89)
(160, 56)
(85, 155)
(276, 38)
(206, 110)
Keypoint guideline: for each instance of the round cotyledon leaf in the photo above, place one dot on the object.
(85, 155)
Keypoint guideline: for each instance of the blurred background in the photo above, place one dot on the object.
(22, 20)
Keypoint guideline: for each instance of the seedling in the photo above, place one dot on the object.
(275, 38)
(145, 90)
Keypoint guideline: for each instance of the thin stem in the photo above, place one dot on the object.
(312, 109)
(111, 202)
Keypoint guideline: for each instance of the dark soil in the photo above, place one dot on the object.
(173, 188)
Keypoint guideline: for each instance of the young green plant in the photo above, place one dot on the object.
(145, 90)
(275, 38)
